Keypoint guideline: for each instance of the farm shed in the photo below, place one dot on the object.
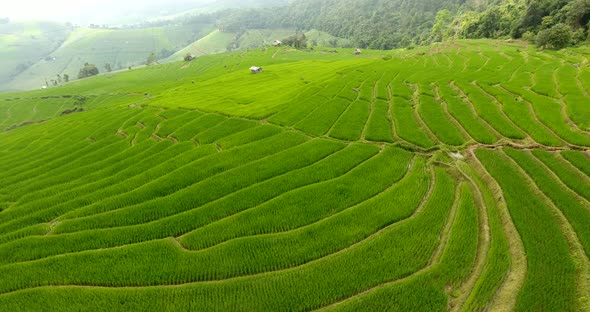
(256, 69)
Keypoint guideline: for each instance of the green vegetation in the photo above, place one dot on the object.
(454, 177)
(120, 48)
(26, 43)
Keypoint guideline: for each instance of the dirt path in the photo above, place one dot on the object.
(505, 299)
(276, 52)
(483, 246)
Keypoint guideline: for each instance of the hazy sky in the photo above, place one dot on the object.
(89, 11)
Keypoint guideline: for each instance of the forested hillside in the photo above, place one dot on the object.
(387, 24)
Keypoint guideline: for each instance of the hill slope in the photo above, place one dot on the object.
(26, 43)
(453, 177)
(118, 47)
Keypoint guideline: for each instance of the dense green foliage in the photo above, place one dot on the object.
(390, 24)
(88, 70)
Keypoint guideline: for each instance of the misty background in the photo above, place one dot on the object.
(98, 11)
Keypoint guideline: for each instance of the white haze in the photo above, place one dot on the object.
(86, 12)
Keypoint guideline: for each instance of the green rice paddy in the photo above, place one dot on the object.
(448, 178)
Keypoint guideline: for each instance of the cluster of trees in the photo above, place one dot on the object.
(298, 41)
(88, 70)
(378, 24)
(549, 23)
(59, 79)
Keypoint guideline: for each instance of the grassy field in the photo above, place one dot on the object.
(449, 178)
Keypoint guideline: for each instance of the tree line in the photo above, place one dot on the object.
(388, 24)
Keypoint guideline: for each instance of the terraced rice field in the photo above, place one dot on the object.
(450, 178)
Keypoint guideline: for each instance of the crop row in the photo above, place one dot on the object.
(393, 253)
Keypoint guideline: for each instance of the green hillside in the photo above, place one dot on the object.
(214, 42)
(454, 177)
(219, 42)
(26, 43)
(120, 48)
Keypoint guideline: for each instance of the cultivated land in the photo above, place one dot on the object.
(454, 177)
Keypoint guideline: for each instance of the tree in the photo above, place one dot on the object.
(108, 67)
(66, 77)
(556, 37)
(88, 70)
(297, 41)
(547, 22)
(188, 57)
(443, 18)
(152, 59)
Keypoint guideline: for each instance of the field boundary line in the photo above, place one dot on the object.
(563, 103)
(434, 260)
(487, 58)
(390, 111)
(500, 107)
(358, 96)
(168, 174)
(438, 98)
(371, 108)
(285, 193)
(327, 102)
(242, 165)
(483, 249)
(416, 110)
(581, 198)
(465, 99)
(171, 216)
(573, 167)
(245, 277)
(109, 197)
(577, 252)
(301, 228)
(38, 199)
(154, 239)
(507, 294)
(534, 113)
(513, 74)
